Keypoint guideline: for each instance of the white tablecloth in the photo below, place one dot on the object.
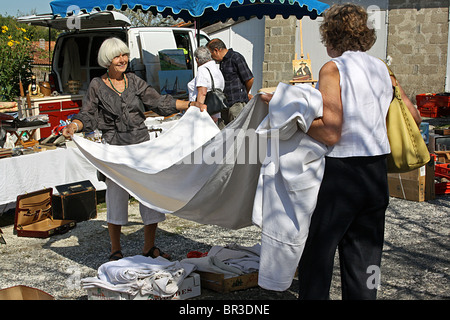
(32, 172)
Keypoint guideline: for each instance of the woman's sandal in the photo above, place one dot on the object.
(117, 255)
(151, 253)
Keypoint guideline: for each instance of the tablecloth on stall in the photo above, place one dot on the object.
(32, 172)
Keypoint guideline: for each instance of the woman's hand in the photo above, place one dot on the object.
(266, 97)
(71, 128)
(199, 105)
(183, 105)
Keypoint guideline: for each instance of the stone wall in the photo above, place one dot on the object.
(279, 50)
(417, 44)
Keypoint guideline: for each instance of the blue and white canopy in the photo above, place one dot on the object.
(205, 11)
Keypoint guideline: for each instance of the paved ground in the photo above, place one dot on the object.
(415, 266)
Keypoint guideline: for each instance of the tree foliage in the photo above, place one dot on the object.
(147, 19)
(35, 32)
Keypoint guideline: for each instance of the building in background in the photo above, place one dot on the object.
(412, 35)
(42, 57)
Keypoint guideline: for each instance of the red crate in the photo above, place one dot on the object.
(442, 171)
(427, 99)
(433, 105)
(443, 100)
(430, 111)
(442, 188)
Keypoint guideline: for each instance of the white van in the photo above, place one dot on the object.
(75, 54)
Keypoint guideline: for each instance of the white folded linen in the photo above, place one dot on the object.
(139, 274)
(232, 260)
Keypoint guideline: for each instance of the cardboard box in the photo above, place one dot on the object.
(218, 283)
(189, 288)
(24, 293)
(416, 185)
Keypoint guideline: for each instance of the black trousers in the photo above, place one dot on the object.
(349, 215)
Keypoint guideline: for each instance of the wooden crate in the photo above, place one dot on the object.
(218, 283)
(443, 132)
(443, 156)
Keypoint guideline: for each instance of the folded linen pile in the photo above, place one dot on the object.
(139, 274)
(232, 260)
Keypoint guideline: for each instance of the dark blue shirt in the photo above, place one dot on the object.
(235, 72)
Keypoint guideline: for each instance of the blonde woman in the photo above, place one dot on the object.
(114, 105)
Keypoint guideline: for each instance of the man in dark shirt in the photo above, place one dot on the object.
(238, 78)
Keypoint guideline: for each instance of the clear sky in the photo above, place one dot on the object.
(11, 7)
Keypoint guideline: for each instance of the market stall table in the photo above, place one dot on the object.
(41, 170)
(25, 134)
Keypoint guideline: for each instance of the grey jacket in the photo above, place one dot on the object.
(121, 118)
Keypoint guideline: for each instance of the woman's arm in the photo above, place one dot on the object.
(74, 127)
(87, 118)
(414, 112)
(201, 94)
(327, 129)
(182, 105)
(163, 105)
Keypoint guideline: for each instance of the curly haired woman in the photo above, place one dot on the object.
(356, 90)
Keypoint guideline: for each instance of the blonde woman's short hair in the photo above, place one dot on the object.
(110, 49)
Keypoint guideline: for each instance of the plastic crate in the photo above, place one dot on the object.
(443, 100)
(442, 171)
(427, 99)
(430, 111)
(433, 105)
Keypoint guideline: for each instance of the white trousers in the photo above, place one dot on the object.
(117, 207)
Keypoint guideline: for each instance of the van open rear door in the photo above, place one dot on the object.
(151, 42)
(93, 20)
(105, 20)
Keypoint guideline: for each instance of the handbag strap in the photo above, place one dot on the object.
(395, 87)
(212, 80)
(391, 74)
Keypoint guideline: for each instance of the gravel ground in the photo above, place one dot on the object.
(415, 263)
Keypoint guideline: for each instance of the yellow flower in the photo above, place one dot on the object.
(26, 38)
(23, 30)
(9, 37)
(4, 28)
(10, 43)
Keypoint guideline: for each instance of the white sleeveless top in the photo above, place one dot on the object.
(366, 93)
